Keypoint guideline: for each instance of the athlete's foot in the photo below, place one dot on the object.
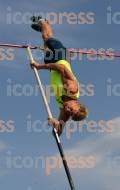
(37, 23)
(42, 25)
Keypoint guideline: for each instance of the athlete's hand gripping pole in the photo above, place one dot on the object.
(50, 116)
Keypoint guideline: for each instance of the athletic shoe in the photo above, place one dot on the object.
(36, 25)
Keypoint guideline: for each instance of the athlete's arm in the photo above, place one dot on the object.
(51, 66)
(56, 67)
(63, 116)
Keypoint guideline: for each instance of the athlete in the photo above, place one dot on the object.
(63, 81)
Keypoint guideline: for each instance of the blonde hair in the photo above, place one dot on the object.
(81, 114)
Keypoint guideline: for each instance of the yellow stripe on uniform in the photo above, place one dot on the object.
(57, 84)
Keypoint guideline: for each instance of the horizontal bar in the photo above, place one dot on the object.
(69, 50)
(19, 46)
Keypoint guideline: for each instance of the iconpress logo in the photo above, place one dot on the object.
(113, 17)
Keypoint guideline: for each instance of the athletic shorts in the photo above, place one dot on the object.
(56, 51)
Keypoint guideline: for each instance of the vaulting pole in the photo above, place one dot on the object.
(54, 130)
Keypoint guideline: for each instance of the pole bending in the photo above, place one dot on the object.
(55, 134)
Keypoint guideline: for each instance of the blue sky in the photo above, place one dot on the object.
(28, 152)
